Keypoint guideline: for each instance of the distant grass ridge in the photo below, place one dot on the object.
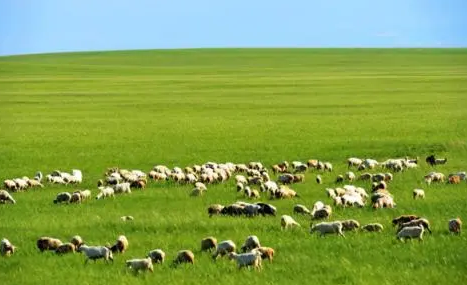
(136, 109)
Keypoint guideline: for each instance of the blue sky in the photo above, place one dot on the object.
(38, 26)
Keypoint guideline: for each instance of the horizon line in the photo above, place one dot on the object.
(227, 48)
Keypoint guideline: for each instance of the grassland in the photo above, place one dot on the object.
(141, 108)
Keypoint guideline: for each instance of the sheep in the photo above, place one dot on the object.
(201, 186)
(301, 209)
(224, 248)
(285, 193)
(65, 248)
(319, 180)
(353, 161)
(96, 252)
(269, 186)
(250, 243)
(48, 243)
(365, 176)
(267, 209)
(418, 193)
(241, 179)
(323, 213)
(404, 219)
(157, 256)
(251, 210)
(184, 256)
(411, 232)
(339, 178)
(374, 227)
(286, 178)
(247, 259)
(418, 222)
(215, 209)
(121, 244)
(34, 183)
(5, 197)
(127, 218)
(38, 176)
(10, 185)
(6, 248)
(350, 225)
(328, 228)
(331, 193)
(317, 206)
(298, 178)
(454, 179)
(298, 168)
(75, 198)
(140, 264)
(85, 194)
(208, 243)
(196, 192)
(350, 176)
(455, 225)
(288, 221)
(63, 197)
(77, 241)
(122, 188)
(105, 192)
(240, 186)
(21, 184)
(266, 252)
(328, 166)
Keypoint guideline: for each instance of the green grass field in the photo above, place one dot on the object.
(136, 109)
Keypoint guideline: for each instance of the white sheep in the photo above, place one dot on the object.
(288, 221)
(250, 243)
(105, 192)
(418, 193)
(201, 186)
(317, 206)
(6, 197)
(247, 259)
(241, 179)
(96, 252)
(350, 176)
(411, 232)
(122, 188)
(353, 161)
(140, 264)
(328, 228)
(224, 248)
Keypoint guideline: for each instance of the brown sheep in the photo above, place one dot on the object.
(312, 163)
(454, 179)
(404, 219)
(48, 243)
(121, 245)
(350, 225)
(75, 198)
(208, 243)
(455, 226)
(184, 256)
(375, 227)
(298, 178)
(266, 252)
(66, 248)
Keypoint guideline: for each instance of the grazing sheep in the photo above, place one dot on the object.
(127, 218)
(317, 206)
(251, 210)
(38, 176)
(350, 225)
(418, 193)
(455, 225)
(298, 178)
(34, 183)
(5, 197)
(201, 186)
(418, 222)
(286, 178)
(6, 248)
(96, 252)
(374, 227)
(301, 209)
(140, 264)
(266, 252)
(350, 176)
(208, 243)
(224, 248)
(410, 233)
(454, 179)
(339, 178)
(85, 194)
(215, 209)
(328, 228)
(331, 193)
(10, 185)
(288, 221)
(404, 219)
(353, 161)
(365, 176)
(328, 166)
(247, 259)
(105, 192)
(250, 243)
(157, 256)
(195, 192)
(65, 248)
(323, 213)
(267, 209)
(184, 256)
(299, 168)
(124, 187)
(75, 198)
(48, 243)
(121, 245)
(77, 241)
(319, 180)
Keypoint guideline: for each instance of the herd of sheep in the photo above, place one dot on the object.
(253, 181)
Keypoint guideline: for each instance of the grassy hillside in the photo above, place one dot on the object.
(136, 109)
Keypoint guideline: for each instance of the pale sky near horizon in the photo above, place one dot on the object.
(42, 26)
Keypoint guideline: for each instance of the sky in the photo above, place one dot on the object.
(43, 26)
